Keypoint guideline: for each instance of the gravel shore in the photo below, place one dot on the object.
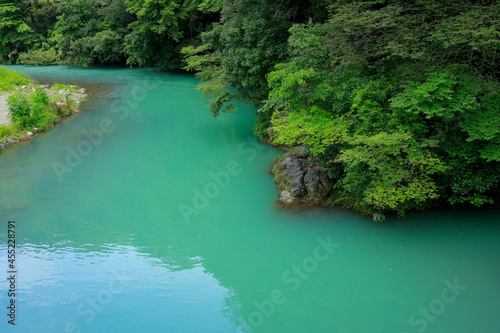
(76, 96)
(4, 109)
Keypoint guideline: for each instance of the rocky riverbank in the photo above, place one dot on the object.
(64, 100)
(300, 180)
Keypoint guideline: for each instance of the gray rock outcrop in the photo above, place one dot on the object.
(299, 180)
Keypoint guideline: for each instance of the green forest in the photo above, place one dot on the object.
(397, 101)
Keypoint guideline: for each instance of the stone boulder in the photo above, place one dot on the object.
(299, 180)
(287, 198)
(317, 184)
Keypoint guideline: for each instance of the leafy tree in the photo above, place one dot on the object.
(391, 172)
(89, 31)
(14, 32)
(24, 25)
(163, 27)
(399, 101)
(239, 51)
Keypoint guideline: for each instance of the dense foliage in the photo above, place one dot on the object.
(32, 107)
(84, 32)
(37, 107)
(32, 110)
(397, 100)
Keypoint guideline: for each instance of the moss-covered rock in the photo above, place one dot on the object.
(300, 180)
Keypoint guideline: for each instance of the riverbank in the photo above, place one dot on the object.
(60, 101)
(4, 110)
(303, 183)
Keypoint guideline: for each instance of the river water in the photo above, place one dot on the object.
(143, 214)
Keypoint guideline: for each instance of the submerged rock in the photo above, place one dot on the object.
(299, 180)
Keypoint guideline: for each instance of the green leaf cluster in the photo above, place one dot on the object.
(31, 110)
(240, 50)
(398, 101)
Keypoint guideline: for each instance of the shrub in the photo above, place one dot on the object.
(32, 110)
(7, 131)
(39, 57)
(20, 109)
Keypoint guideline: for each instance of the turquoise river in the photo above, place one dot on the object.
(143, 214)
